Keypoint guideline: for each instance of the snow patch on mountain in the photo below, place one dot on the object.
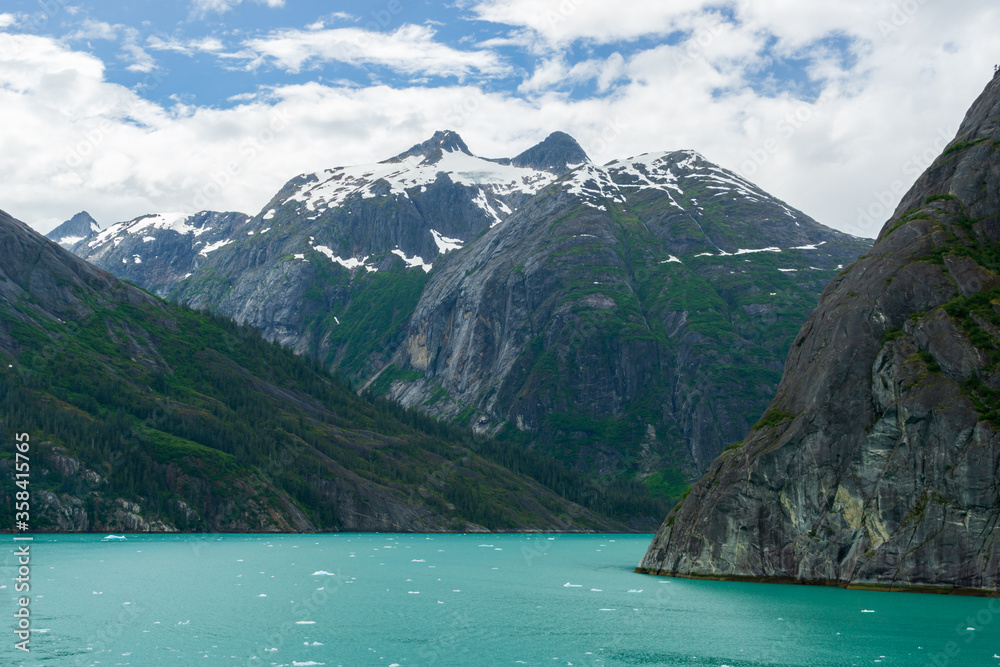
(444, 244)
(331, 188)
(413, 261)
(592, 184)
(349, 263)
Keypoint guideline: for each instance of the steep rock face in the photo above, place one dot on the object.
(878, 462)
(661, 275)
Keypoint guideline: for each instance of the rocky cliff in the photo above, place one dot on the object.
(878, 462)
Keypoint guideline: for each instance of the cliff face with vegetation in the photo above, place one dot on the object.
(148, 416)
(878, 461)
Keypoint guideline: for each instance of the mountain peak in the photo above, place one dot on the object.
(443, 141)
(555, 154)
(74, 230)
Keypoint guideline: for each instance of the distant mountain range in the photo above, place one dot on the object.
(631, 319)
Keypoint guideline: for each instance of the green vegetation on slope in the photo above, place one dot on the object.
(171, 405)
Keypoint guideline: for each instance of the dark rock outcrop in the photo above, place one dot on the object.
(878, 462)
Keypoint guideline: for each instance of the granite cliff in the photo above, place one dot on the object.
(877, 464)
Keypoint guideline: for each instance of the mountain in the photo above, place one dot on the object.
(144, 415)
(624, 313)
(542, 299)
(78, 228)
(156, 251)
(876, 464)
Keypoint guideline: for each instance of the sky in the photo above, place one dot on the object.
(124, 109)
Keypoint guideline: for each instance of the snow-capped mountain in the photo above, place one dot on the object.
(81, 226)
(629, 316)
(156, 251)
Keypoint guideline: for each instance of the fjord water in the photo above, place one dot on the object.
(404, 599)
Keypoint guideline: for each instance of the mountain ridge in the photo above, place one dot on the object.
(688, 280)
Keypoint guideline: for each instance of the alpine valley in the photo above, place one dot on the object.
(148, 416)
(878, 462)
(628, 319)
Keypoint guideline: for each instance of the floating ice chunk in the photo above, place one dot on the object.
(569, 585)
(114, 537)
(596, 590)
(867, 611)
(262, 595)
(635, 590)
(323, 573)
(305, 622)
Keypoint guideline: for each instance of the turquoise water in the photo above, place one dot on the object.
(453, 600)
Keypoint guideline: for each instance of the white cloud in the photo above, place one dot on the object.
(186, 46)
(555, 73)
(91, 29)
(410, 49)
(562, 21)
(132, 51)
(75, 141)
(7, 20)
(203, 7)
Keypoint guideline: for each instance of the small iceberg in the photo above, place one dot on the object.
(323, 573)
(635, 590)
(109, 538)
(569, 585)
(867, 611)
(305, 622)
